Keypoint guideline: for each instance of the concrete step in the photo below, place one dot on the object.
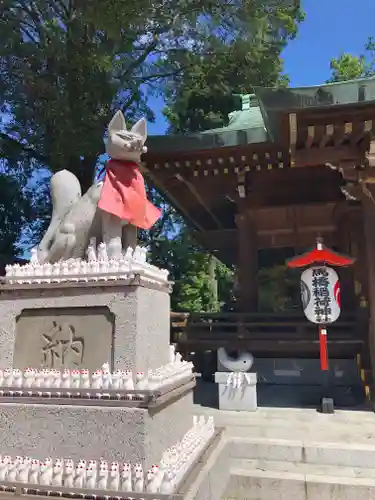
(274, 484)
(304, 425)
(286, 416)
(352, 455)
(282, 469)
(277, 466)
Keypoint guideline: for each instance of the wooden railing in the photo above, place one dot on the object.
(265, 333)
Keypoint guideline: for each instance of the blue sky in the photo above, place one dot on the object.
(330, 27)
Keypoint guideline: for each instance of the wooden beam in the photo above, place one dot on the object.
(370, 155)
(199, 198)
(369, 241)
(333, 155)
(161, 187)
(367, 126)
(343, 134)
(218, 238)
(289, 240)
(247, 292)
(310, 137)
(241, 184)
(327, 136)
(364, 129)
(292, 136)
(293, 129)
(326, 228)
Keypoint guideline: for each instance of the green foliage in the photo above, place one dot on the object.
(350, 67)
(245, 53)
(278, 287)
(17, 207)
(201, 282)
(66, 65)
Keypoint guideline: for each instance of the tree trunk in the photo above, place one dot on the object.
(84, 169)
(213, 280)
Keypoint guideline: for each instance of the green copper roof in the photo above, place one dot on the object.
(245, 126)
(330, 94)
(274, 100)
(258, 122)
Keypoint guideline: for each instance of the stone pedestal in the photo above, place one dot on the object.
(243, 398)
(132, 435)
(85, 325)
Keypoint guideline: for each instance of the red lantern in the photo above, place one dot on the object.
(322, 256)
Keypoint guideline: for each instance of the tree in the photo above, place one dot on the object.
(17, 207)
(240, 57)
(350, 67)
(277, 288)
(65, 65)
(201, 283)
(243, 53)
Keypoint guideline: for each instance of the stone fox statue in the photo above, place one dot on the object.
(108, 208)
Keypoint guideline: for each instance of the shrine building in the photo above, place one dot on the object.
(293, 164)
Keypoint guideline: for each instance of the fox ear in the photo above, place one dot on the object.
(140, 128)
(117, 123)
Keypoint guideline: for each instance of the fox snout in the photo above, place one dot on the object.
(135, 145)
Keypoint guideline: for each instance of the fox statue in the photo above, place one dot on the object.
(110, 211)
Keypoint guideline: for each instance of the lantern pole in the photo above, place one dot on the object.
(322, 329)
(321, 257)
(327, 403)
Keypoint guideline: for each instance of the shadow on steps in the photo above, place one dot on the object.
(288, 396)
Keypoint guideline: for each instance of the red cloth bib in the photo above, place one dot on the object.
(124, 195)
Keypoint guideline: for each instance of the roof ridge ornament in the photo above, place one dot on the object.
(249, 101)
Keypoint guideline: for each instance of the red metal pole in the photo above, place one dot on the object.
(323, 348)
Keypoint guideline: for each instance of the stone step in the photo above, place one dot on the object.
(286, 483)
(307, 434)
(281, 469)
(329, 435)
(306, 425)
(316, 454)
(284, 416)
(305, 469)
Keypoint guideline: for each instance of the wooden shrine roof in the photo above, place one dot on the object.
(299, 130)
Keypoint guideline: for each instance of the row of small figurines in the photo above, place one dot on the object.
(119, 380)
(237, 379)
(113, 477)
(80, 270)
(64, 271)
(88, 475)
(182, 456)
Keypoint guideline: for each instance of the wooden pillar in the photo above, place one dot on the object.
(344, 237)
(247, 299)
(359, 252)
(369, 232)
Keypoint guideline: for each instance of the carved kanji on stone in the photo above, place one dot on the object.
(62, 346)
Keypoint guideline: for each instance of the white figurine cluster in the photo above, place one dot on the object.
(236, 380)
(177, 369)
(97, 267)
(69, 383)
(178, 459)
(102, 475)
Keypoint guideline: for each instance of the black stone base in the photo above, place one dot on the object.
(327, 405)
